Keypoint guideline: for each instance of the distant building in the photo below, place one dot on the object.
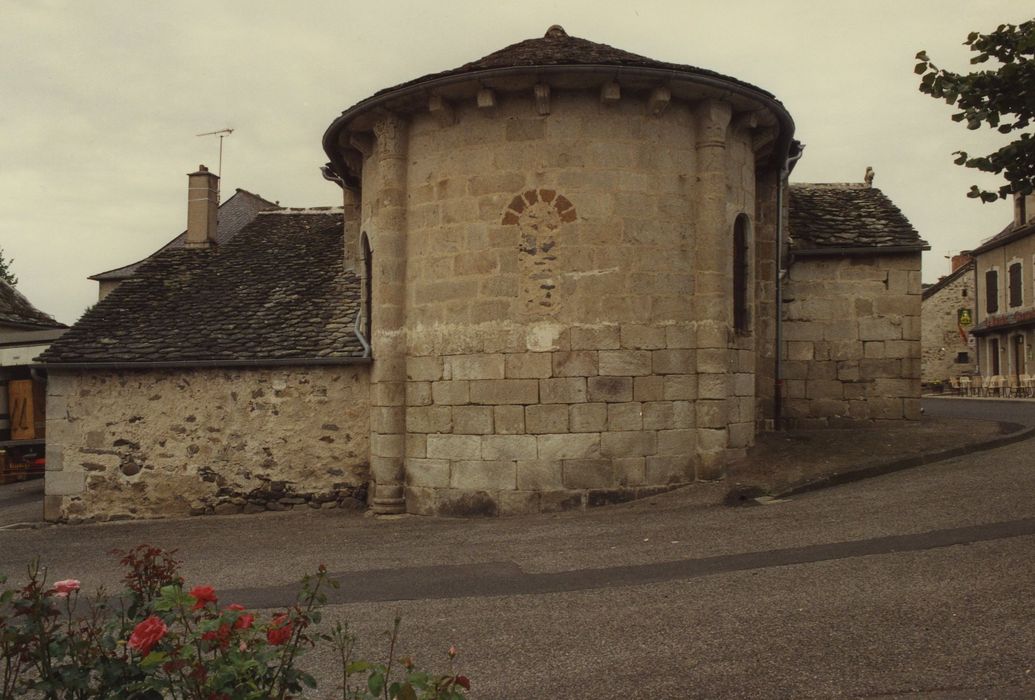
(232, 216)
(1005, 299)
(949, 314)
(555, 282)
(25, 332)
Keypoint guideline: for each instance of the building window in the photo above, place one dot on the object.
(991, 291)
(993, 356)
(962, 358)
(368, 296)
(1016, 292)
(741, 276)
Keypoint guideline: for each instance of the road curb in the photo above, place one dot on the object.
(868, 471)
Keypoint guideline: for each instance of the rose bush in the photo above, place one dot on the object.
(158, 641)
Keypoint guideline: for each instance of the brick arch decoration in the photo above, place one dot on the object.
(538, 214)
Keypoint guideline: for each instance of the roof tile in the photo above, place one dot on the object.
(278, 290)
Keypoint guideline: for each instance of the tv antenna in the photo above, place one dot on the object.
(222, 134)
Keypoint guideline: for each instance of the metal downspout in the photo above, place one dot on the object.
(778, 379)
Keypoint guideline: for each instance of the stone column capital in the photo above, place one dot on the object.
(713, 121)
(390, 132)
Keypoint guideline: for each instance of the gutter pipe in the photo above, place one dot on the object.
(785, 172)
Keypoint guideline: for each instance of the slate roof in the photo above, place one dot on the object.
(277, 291)
(16, 310)
(1008, 234)
(557, 48)
(234, 214)
(931, 290)
(837, 217)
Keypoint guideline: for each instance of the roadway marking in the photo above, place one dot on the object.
(506, 578)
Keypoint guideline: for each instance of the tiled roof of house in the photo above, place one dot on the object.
(556, 48)
(16, 310)
(234, 214)
(964, 269)
(1010, 233)
(840, 216)
(277, 291)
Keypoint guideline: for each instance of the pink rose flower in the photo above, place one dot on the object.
(63, 588)
(146, 634)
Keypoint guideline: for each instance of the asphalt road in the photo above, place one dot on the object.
(915, 584)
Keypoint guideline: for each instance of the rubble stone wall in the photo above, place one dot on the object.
(851, 339)
(137, 444)
(942, 342)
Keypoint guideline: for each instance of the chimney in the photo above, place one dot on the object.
(202, 208)
(960, 260)
(1023, 209)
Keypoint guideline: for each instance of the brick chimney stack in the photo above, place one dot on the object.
(960, 260)
(1023, 209)
(202, 208)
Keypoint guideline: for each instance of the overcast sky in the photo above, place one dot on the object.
(100, 102)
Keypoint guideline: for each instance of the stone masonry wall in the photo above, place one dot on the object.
(166, 442)
(852, 339)
(942, 342)
(553, 359)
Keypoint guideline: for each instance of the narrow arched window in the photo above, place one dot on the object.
(741, 275)
(368, 283)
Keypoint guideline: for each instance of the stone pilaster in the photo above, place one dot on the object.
(712, 287)
(388, 372)
(351, 216)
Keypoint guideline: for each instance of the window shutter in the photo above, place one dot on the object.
(991, 291)
(1016, 296)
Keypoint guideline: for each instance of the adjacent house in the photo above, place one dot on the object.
(1004, 267)
(563, 275)
(232, 215)
(949, 350)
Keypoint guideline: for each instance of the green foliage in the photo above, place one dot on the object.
(165, 642)
(1002, 98)
(5, 270)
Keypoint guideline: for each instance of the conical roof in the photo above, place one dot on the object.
(558, 48)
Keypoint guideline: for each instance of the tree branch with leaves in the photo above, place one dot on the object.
(1001, 98)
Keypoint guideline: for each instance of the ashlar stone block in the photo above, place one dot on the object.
(588, 473)
(587, 417)
(634, 443)
(539, 474)
(610, 389)
(569, 446)
(496, 447)
(528, 365)
(625, 363)
(484, 475)
(625, 416)
(509, 420)
(455, 447)
(472, 420)
(563, 390)
(547, 418)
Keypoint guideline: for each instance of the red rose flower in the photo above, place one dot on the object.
(220, 637)
(244, 622)
(203, 595)
(279, 631)
(147, 634)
